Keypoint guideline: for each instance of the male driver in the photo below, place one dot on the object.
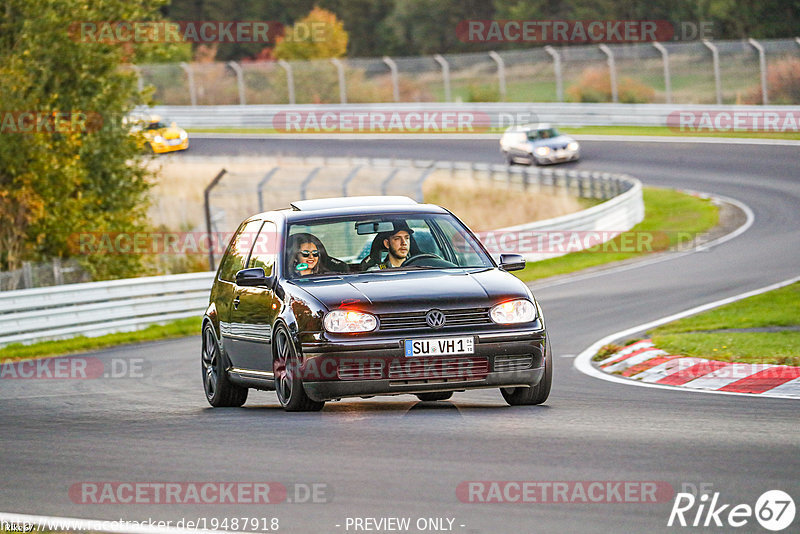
(398, 243)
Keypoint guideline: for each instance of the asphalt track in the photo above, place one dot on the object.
(395, 457)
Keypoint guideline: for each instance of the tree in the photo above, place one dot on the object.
(319, 35)
(86, 176)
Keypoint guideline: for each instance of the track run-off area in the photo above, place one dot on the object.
(393, 457)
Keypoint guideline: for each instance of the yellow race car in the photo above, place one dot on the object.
(160, 136)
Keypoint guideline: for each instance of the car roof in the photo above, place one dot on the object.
(529, 127)
(350, 206)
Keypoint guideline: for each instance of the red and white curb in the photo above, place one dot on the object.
(583, 361)
(646, 363)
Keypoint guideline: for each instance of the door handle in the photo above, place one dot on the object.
(236, 303)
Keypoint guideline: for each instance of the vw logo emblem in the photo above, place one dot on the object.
(435, 319)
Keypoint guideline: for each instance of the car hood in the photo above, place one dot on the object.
(392, 291)
(166, 133)
(555, 142)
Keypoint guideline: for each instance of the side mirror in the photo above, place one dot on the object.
(511, 262)
(252, 277)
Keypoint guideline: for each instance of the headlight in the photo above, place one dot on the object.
(572, 146)
(543, 151)
(183, 135)
(348, 321)
(158, 139)
(513, 311)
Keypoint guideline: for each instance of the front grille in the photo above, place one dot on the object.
(428, 368)
(414, 320)
(513, 363)
(361, 370)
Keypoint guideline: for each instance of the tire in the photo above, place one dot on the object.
(536, 394)
(509, 159)
(434, 396)
(288, 383)
(220, 391)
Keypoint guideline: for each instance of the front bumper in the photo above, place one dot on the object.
(163, 148)
(333, 370)
(558, 156)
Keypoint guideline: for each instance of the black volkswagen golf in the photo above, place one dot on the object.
(365, 296)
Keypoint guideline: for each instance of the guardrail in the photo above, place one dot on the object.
(98, 308)
(486, 116)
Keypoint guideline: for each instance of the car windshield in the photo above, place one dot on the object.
(156, 125)
(544, 133)
(380, 243)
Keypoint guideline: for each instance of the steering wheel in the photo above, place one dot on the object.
(439, 262)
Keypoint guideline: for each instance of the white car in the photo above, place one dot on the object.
(538, 143)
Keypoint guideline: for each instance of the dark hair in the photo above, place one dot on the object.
(293, 247)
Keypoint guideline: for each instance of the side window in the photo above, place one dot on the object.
(238, 251)
(265, 249)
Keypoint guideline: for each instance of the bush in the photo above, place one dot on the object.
(783, 83)
(594, 85)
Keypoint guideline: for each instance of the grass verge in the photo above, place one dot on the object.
(671, 218)
(700, 336)
(178, 328)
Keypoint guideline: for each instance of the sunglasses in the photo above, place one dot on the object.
(307, 253)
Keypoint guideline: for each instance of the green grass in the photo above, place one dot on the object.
(695, 336)
(780, 307)
(667, 213)
(746, 347)
(179, 328)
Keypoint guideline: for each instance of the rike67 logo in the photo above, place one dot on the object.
(774, 510)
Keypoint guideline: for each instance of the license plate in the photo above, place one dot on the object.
(174, 141)
(439, 346)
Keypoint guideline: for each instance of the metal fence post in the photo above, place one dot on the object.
(207, 202)
(307, 181)
(421, 180)
(557, 68)
(190, 76)
(667, 81)
(387, 180)
(612, 70)
(239, 80)
(715, 59)
(349, 178)
(261, 185)
(289, 78)
(139, 81)
(342, 87)
(58, 273)
(501, 73)
(445, 75)
(395, 77)
(762, 63)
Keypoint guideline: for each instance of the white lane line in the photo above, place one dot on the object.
(484, 136)
(664, 256)
(583, 362)
(56, 523)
